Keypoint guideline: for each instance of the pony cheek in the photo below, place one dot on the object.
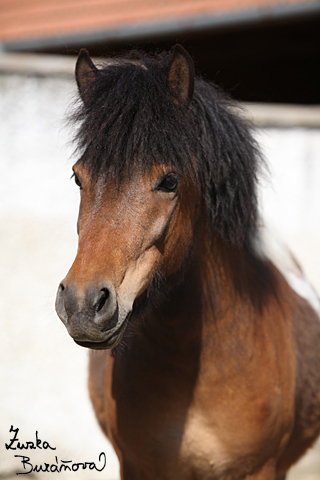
(157, 231)
(137, 278)
(177, 245)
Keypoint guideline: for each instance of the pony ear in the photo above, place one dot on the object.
(86, 71)
(181, 75)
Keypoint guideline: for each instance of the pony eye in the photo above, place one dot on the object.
(77, 180)
(169, 183)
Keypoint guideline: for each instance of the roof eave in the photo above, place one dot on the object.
(165, 27)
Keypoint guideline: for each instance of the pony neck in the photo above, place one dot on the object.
(220, 284)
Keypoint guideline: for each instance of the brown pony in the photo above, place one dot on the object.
(209, 362)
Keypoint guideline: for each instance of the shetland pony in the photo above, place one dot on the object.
(209, 362)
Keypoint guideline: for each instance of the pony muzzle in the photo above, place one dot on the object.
(91, 316)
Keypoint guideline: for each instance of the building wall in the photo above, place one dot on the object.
(42, 372)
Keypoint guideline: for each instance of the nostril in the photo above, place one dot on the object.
(60, 303)
(102, 300)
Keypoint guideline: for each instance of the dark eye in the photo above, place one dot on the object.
(169, 183)
(77, 180)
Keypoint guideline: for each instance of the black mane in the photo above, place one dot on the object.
(128, 115)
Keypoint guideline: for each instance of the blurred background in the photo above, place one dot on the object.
(265, 53)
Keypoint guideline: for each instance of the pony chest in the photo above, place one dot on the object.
(217, 452)
(203, 451)
(165, 438)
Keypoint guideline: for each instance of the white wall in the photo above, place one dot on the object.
(291, 194)
(42, 371)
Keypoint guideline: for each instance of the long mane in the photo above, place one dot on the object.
(128, 117)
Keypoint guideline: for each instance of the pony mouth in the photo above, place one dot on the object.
(111, 342)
